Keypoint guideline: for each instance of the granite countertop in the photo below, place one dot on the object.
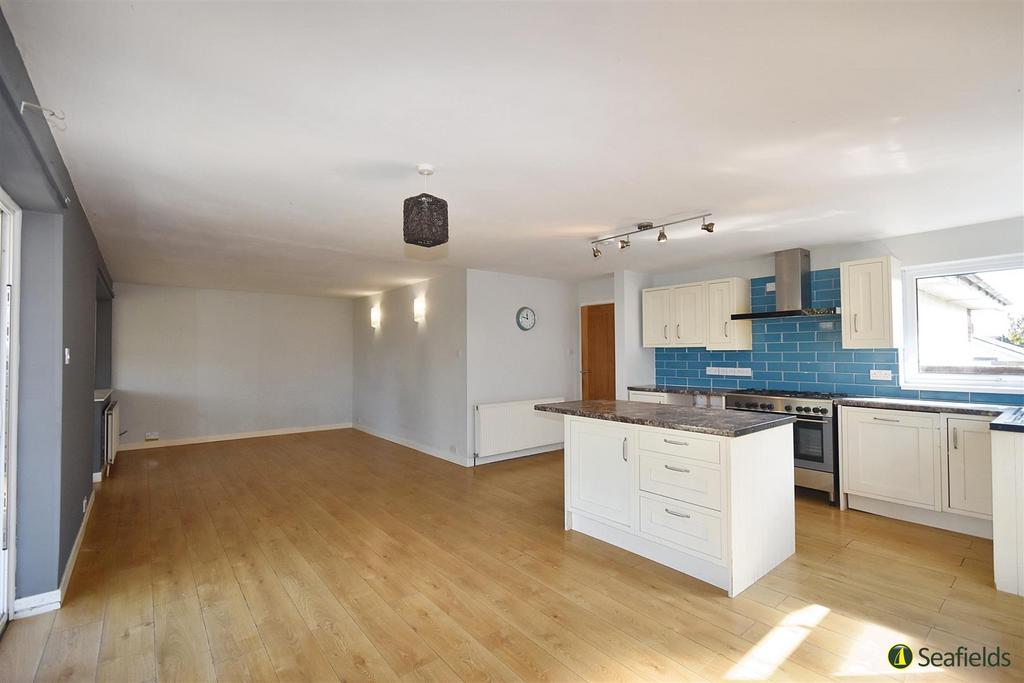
(988, 409)
(1011, 420)
(669, 389)
(716, 421)
(101, 394)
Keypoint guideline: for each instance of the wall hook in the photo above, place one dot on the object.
(47, 113)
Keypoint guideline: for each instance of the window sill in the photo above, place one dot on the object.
(961, 388)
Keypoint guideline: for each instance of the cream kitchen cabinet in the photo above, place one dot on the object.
(969, 466)
(891, 455)
(601, 470)
(871, 305)
(657, 312)
(689, 322)
(698, 314)
(725, 298)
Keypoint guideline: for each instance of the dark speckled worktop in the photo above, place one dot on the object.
(716, 421)
(922, 406)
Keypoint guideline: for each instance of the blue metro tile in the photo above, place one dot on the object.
(875, 356)
(818, 367)
(836, 356)
(800, 377)
(835, 378)
(817, 346)
(895, 392)
(1005, 399)
(961, 396)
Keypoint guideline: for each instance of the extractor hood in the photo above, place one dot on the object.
(792, 288)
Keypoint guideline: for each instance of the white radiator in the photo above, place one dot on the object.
(515, 426)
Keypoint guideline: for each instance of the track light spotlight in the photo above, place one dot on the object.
(622, 239)
(707, 227)
(662, 236)
(597, 252)
(623, 243)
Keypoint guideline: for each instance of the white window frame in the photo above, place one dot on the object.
(910, 378)
(11, 280)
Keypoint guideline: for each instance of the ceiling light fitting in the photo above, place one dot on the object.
(425, 217)
(623, 237)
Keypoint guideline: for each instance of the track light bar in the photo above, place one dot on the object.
(623, 237)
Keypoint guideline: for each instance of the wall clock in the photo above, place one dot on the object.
(526, 318)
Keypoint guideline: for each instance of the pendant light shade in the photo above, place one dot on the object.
(425, 221)
(425, 217)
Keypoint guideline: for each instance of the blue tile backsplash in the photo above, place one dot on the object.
(801, 354)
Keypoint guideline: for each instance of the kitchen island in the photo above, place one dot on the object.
(708, 492)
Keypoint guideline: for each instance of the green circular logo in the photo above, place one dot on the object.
(900, 656)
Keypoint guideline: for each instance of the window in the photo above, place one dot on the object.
(964, 326)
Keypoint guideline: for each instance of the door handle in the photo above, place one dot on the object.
(677, 469)
(625, 449)
(855, 329)
(725, 329)
(583, 372)
(666, 331)
(677, 514)
(956, 439)
(678, 335)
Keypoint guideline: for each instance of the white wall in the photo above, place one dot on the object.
(598, 290)
(410, 378)
(505, 363)
(969, 241)
(634, 365)
(201, 362)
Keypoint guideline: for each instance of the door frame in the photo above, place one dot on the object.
(579, 340)
(12, 272)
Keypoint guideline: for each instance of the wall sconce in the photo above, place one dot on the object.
(419, 309)
(375, 316)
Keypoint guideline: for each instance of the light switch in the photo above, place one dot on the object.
(67, 356)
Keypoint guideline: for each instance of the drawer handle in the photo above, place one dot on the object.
(885, 419)
(676, 443)
(677, 514)
(677, 469)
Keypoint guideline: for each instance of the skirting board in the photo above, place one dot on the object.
(422, 448)
(228, 437)
(972, 526)
(519, 454)
(31, 605)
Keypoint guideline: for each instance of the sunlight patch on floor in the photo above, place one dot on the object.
(761, 661)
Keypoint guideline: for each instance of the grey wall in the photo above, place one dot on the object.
(58, 468)
(206, 362)
(104, 322)
(39, 405)
(505, 363)
(410, 379)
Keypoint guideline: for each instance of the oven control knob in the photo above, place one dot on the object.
(749, 405)
(817, 410)
(800, 409)
(765, 406)
(789, 408)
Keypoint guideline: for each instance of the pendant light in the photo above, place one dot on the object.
(425, 217)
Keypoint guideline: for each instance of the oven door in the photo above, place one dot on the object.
(812, 444)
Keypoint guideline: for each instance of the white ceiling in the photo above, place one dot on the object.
(269, 146)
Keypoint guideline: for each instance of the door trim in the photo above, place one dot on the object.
(13, 277)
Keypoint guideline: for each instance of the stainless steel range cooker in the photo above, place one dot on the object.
(815, 444)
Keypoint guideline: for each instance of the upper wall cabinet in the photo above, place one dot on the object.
(726, 298)
(871, 304)
(698, 315)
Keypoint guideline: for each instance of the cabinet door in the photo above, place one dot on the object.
(969, 466)
(720, 298)
(891, 455)
(657, 313)
(601, 470)
(689, 320)
(866, 305)
(647, 397)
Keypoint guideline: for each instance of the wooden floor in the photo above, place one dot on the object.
(336, 555)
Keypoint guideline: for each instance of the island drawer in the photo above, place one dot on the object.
(678, 443)
(682, 525)
(690, 481)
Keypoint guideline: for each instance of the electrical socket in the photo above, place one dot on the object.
(883, 375)
(769, 287)
(152, 436)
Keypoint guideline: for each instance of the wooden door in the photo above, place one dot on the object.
(597, 351)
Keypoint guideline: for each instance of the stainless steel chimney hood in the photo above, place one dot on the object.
(792, 288)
